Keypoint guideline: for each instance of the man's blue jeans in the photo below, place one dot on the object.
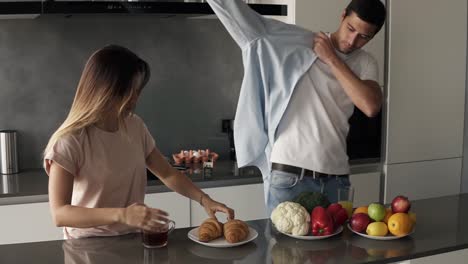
(285, 186)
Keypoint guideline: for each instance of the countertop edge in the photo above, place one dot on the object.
(208, 184)
(40, 198)
(421, 254)
(12, 200)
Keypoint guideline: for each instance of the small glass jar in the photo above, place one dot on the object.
(208, 169)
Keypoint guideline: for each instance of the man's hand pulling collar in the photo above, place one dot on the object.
(323, 48)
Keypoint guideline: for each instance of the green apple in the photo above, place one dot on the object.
(376, 211)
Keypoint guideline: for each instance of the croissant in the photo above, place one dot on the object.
(235, 231)
(210, 229)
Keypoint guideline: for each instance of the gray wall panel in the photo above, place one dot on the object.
(196, 76)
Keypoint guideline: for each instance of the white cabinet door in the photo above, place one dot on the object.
(325, 15)
(175, 204)
(247, 201)
(366, 188)
(421, 180)
(23, 223)
(426, 85)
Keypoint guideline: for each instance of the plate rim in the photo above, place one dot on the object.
(311, 237)
(226, 244)
(387, 237)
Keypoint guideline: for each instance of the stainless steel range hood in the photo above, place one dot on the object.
(177, 7)
(187, 7)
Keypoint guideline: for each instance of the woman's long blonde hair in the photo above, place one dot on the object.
(110, 79)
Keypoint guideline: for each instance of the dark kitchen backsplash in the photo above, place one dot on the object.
(196, 74)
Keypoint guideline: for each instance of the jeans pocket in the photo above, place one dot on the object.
(343, 181)
(283, 180)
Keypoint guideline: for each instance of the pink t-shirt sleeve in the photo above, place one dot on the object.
(148, 140)
(66, 153)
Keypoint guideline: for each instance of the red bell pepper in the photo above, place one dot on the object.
(321, 222)
(338, 214)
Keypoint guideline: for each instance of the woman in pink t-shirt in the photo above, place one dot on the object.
(97, 159)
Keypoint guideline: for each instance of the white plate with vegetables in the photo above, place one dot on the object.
(312, 237)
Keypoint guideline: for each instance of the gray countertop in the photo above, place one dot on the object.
(30, 186)
(441, 228)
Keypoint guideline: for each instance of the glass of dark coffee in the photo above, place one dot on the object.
(158, 238)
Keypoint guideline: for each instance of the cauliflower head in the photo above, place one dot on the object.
(291, 218)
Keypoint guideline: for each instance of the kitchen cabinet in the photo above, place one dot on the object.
(175, 204)
(246, 200)
(366, 188)
(425, 179)
(32, 222)
(325, 15)
(426, 86)
(425, 98)
(22, 223)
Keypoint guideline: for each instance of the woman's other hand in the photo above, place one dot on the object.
(211, 207)
(143, 217)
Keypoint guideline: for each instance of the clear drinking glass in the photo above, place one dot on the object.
(158, 238)
(346, 198)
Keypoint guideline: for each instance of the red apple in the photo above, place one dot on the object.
(401, 204)
(359, 222)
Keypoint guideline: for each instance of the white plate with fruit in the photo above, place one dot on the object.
(312, 237)
(386, 237)
(380, 223)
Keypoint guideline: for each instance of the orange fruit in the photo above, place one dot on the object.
(361, 209)
(387, 215)
(400, 224)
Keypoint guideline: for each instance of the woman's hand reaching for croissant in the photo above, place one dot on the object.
(211, 207)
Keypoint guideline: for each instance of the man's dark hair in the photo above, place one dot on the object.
(370, 11)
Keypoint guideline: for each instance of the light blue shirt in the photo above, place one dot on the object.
(275, 56)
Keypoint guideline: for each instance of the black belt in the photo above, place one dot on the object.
(298, 170)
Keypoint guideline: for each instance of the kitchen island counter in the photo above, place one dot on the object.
(441, 228)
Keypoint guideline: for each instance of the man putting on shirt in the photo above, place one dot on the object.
(298, 92)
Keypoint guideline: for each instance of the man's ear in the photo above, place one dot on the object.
(343, 15)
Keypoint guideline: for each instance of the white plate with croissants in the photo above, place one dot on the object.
(213, 233)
